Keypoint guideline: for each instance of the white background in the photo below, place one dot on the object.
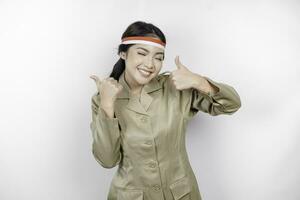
(48, 50)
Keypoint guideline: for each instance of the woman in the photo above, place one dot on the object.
(139, 119)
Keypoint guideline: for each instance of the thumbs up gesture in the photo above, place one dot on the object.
(182, 78)
(108, 88)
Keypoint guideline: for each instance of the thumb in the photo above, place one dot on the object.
(95, 78)
(178, 63)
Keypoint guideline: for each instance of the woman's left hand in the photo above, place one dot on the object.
(183, 78)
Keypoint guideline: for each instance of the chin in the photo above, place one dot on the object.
(144, 80)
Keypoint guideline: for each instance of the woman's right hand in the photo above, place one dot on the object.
(108, 88)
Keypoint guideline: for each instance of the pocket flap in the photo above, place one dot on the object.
(180, 188)
(130, 195)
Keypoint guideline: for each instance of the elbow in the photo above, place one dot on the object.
(107, 162)
(237, 104)
(225, 109)
(108, 165)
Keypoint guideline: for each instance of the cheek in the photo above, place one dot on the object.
(158, 67)
(132, 65)
(136, 63)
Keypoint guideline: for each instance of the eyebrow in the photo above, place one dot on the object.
(148, 51)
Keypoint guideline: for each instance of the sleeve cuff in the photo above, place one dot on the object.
(102, 115)
(226, 96)
(216, 95)
(111, 125)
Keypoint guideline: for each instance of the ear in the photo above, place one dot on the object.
(123, 55)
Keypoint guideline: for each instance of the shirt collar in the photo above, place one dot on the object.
(152, 86)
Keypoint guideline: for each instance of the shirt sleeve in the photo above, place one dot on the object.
(225, 101)
(106, 136)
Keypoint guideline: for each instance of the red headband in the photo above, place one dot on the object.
(144, 40)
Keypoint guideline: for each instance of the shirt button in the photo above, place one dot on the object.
(148, 142)
(152, 164)
(156, 187)
(144, 119)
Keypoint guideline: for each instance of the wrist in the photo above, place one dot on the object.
(200, 83)
(108, 110)
(107, 106)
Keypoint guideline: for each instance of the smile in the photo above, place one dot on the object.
(144, 72)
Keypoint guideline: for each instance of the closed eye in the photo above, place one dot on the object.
(145, 55)
(141, 54)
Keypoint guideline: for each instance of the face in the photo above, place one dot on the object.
(143, 62)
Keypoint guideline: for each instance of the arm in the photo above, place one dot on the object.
(106, 136)
(216, 98)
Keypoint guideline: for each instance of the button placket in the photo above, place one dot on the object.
(152, 163)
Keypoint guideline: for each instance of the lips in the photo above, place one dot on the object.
(144, 72)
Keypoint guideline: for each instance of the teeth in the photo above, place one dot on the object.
(145, 73)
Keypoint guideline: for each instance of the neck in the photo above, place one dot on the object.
(134, 89)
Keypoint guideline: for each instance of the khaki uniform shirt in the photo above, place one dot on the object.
(146, 139)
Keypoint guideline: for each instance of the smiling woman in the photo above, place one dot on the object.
(139, 118)
(143, 63)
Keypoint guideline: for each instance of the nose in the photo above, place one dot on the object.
(149, 63)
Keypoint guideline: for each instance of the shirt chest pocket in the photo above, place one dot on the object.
(126, 194)
(181, 189)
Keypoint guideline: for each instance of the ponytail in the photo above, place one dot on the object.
(118, 69)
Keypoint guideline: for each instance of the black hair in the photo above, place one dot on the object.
(138, 28)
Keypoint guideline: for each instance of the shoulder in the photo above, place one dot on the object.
(164, 79)
(163, 75)
(179, 99)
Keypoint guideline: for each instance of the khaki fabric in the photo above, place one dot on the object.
(146, 139)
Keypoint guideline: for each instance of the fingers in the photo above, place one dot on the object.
(119, 86)
(111, 79)
(115, 83)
